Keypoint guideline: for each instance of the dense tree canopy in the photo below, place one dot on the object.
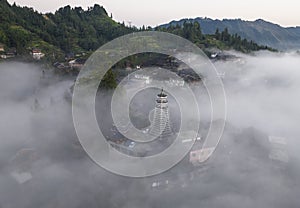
(75, 30)
(68, 29)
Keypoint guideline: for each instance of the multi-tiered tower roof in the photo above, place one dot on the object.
(161, 122)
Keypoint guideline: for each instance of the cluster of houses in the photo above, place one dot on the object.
(170, 82)
(7, 53)
(71, 63)
(189, 75)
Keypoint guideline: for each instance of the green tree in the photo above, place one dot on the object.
(3, 37)
(109, 80)
(217, 34)
(19, 37)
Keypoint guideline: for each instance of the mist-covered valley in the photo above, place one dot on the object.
(42, 163)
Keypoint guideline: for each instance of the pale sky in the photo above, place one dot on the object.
(156, 12)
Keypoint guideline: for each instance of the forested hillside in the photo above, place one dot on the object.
(67, 30)
(78, 31)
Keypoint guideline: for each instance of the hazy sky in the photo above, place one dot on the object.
(155, 12)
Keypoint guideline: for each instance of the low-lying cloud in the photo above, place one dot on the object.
(37, 137)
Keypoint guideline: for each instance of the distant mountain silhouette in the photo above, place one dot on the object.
(260, 31)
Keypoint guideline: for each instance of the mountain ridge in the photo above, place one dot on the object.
(261, 31)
